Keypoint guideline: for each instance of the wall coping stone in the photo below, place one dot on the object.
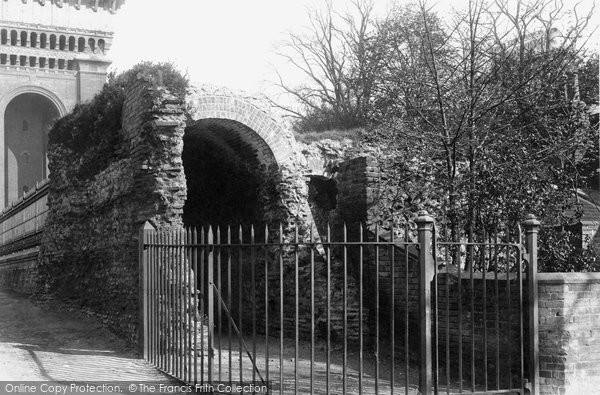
(568, 278)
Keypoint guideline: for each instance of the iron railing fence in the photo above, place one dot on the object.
(351, 311)
(480, 313)
(22, 223)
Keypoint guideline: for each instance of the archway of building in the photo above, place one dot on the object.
(230, 174)
(27, 119)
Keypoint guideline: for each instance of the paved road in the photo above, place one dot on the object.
(44, 344)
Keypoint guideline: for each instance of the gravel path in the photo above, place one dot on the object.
(44, 343)
(40, 343)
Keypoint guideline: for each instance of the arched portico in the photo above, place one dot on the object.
(26, 114)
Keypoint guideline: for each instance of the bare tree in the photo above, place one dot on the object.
(339, 57)
(481, 98)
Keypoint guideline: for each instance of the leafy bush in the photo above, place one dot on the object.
(158, 74)
(559, 252)
(89, 136)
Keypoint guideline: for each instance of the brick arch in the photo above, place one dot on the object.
(266, 130)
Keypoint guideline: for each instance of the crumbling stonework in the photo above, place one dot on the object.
(324, 157)
(90, 243)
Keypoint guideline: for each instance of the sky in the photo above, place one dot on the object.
(229, 43)
(220, 42)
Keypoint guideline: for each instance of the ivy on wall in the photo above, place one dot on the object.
(89, 137)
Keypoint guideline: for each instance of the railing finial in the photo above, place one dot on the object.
(531, 223)
(424, 219)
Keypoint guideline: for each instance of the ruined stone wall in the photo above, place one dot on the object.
(105, 184)
(392, 270)
(357, 180)
(90, 244)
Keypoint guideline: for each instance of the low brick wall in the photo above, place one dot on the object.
(21, 226)
(19, 272)
(569, 329)
(569, 333)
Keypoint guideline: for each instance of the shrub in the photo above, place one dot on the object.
(89, 136)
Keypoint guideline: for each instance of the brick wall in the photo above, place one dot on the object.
(19, 272)
(358, 188)
(569, 338)
(569, 333)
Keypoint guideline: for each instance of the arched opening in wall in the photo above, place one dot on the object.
(230, 174)
(81, 44)
(71, 43)
(92, 45)
(62, 43)
(322, 198)
(27, 120)
(13, 37)
(52, 41)
(43, 40)
(23, 39)
(4, 37)
(34, 39)
(101, 45)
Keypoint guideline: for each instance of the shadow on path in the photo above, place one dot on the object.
(44, 344)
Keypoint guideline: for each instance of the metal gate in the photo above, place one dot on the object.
(349, 311)
(485, 318)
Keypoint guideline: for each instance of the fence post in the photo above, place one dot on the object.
(210, 301)
(532, 225)
(143, 238)
(426, 272)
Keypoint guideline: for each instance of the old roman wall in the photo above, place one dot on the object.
(89, 250)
